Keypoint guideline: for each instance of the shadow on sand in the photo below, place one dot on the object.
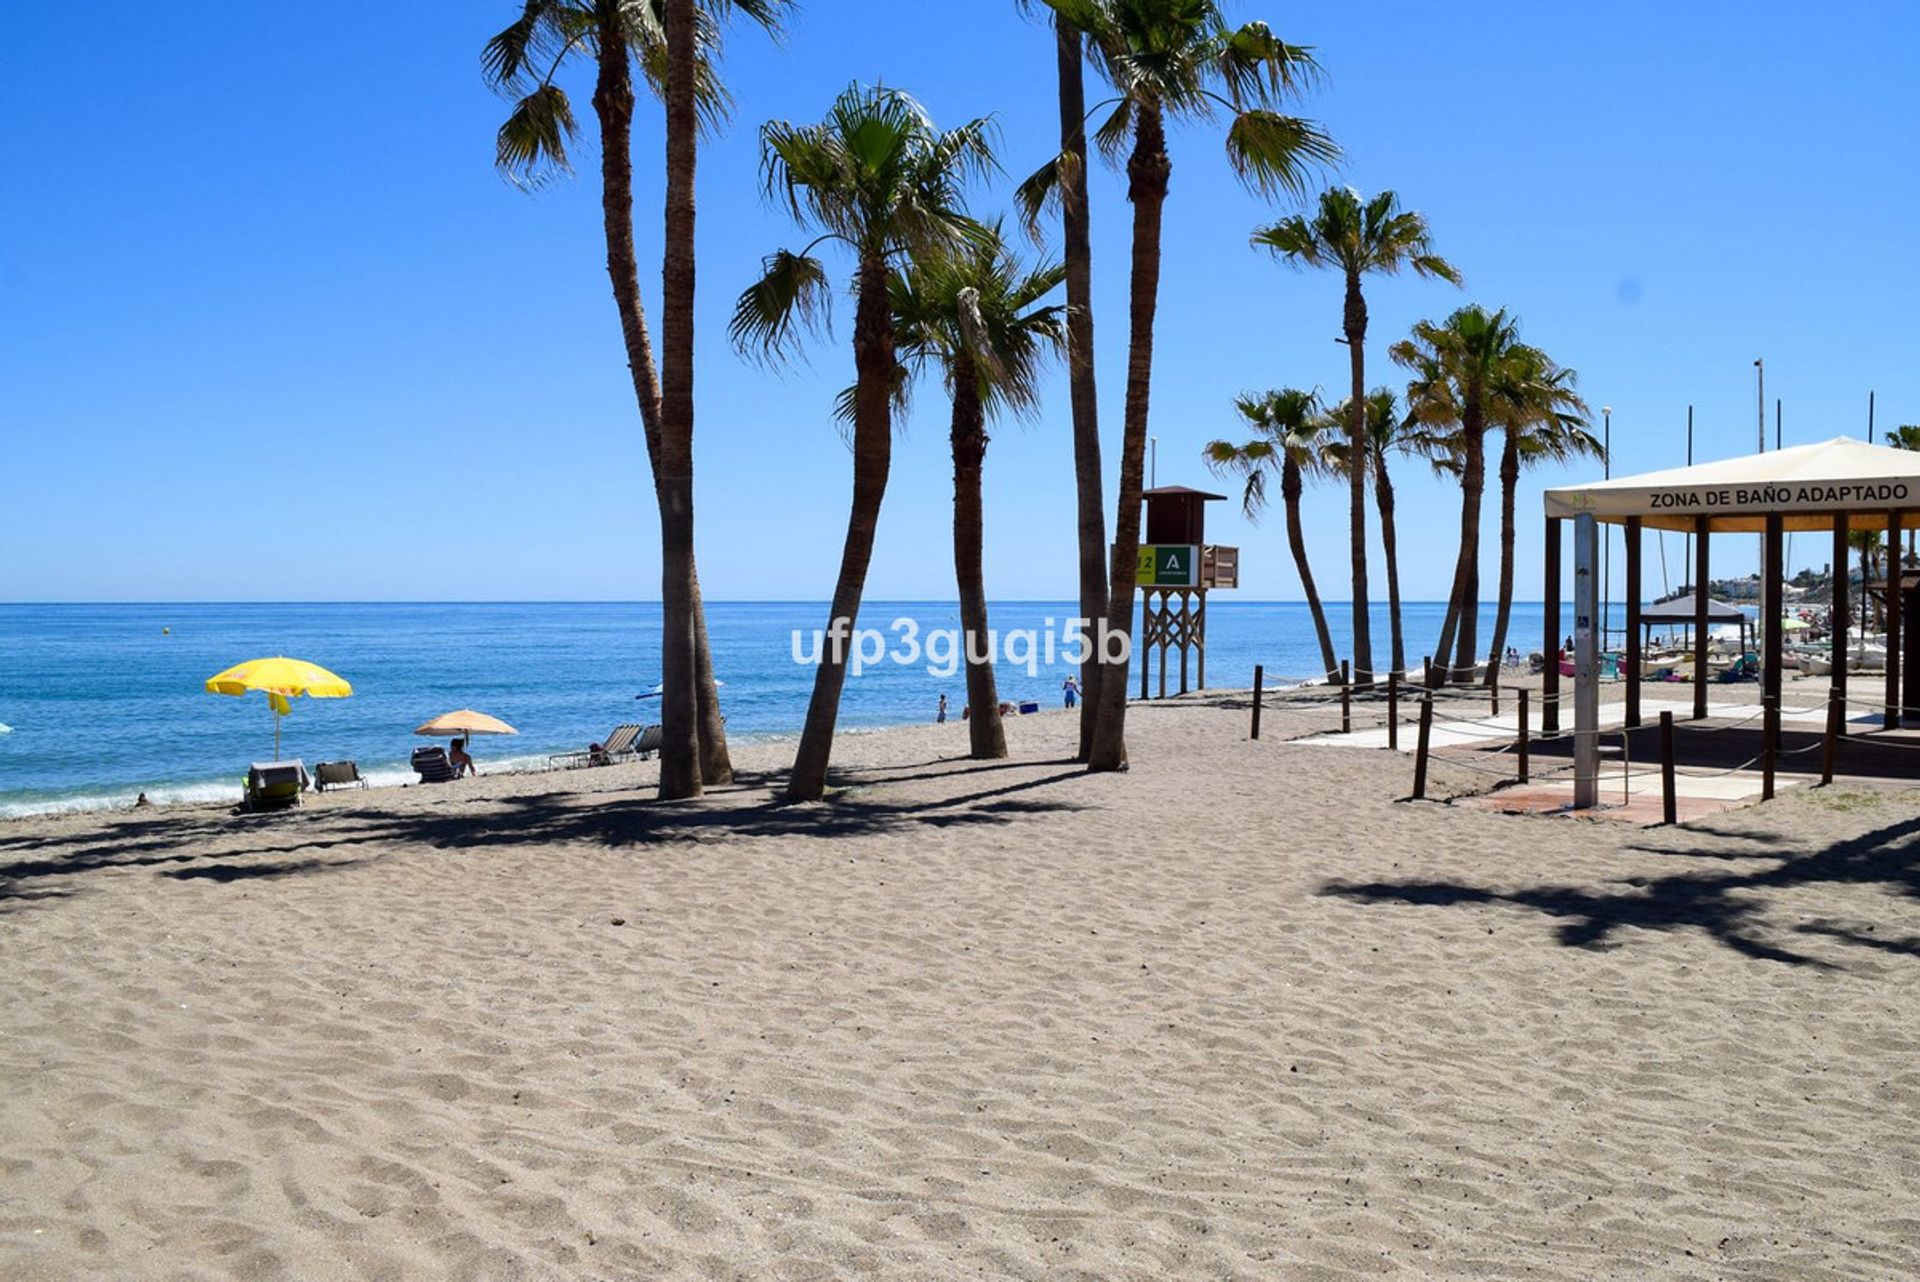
(1729, 907)
(972, 795)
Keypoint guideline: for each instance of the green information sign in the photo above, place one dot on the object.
(1168, 565)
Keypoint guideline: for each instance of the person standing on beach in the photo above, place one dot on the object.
(940, 713)
(1070, 688)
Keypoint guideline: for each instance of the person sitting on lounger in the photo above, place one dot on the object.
(458, 758)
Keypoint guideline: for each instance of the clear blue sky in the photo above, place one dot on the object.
(271, 326)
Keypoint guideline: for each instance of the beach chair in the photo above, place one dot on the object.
(647, 746)
(432, 766)
(618, 747)
(337, 774)
(274, 785)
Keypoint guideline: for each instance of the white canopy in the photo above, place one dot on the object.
(1809, 484)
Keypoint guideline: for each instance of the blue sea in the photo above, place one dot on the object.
(107, 701)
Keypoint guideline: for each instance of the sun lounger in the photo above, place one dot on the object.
(620, 746)
(274, 785)
(648, 744)
(337, 774)
(432, 766)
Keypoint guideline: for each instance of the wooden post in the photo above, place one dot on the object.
(1522, 749)
(1259, 676)
(1493, 696)
(1669, 799)
(1420, 747)
(1426, 672)
(1842, 606)
(1200, 639)
(1393, 710)
(1836, 716)
(1634, 657)
(1769, 743)
(1894, 613)
(1700, 575)
(1346, 696)
(1550, 642)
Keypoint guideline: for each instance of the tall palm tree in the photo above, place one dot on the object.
(1457, 368)
(1290, 436)
(879, 178)
(1543, 420)
(978, 316)
(1178, 60)
(1387, 434)
(1358, 238)
(1063, 181)
(525, 61)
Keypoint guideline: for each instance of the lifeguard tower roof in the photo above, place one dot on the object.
(1177, 514)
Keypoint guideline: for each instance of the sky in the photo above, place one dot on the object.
(272, 327)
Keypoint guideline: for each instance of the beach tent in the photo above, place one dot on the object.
(1684, 611)
(1841, 485)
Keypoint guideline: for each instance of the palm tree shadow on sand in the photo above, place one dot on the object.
(1730, 908)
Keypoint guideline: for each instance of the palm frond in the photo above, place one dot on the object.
(531, 146)
(1272, 153)
(791, 295)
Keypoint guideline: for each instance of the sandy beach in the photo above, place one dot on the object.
(1239, 1013)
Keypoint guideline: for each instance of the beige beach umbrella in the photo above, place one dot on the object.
(453, 725)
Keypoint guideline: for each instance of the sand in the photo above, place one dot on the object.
(1239, 1013)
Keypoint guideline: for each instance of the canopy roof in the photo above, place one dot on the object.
(1808, 484)
(1680, 610)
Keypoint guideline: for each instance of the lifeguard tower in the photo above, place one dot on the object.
(1177, 568)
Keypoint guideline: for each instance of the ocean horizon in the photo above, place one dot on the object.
(105, 701)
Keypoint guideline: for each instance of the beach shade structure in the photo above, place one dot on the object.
(1841, 487)
(1684, 611)
(283, 680)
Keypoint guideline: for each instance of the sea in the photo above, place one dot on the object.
(101, 703)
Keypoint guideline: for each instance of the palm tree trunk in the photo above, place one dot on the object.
(1473, 484)
(986, 735)
(1297, 544)
(1355, 324)
(716, 764)
(680, 735)
(1078, 254)
(1148, 170)
(613, 105)
(873, 362)
(1509, 483)
(1383, 499)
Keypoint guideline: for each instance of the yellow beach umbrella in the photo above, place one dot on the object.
(282, 679)
(466, 721)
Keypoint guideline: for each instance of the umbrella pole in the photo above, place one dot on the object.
(276, 731)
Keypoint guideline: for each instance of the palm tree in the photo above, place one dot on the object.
(1387, 433)
(524, 61)
(1063, 181)
(1358, 238)
(1544, 421)
(977, 315)
(1906, 437)
(879, 178)
(1179, 60)
(1290, 429)
(1457, 368)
